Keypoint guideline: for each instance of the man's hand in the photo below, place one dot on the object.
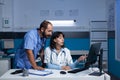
(32, 60)
(39, 68)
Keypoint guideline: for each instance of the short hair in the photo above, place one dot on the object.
(54, 36)
(44, 24)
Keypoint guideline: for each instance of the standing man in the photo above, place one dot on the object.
(32, 45)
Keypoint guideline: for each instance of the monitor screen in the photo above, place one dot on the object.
(92, 55)
(8, 43)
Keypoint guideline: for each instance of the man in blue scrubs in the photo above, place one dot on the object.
(31, 46)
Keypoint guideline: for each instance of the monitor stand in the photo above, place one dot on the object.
(99, 73)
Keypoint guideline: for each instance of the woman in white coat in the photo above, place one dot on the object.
(57, 56)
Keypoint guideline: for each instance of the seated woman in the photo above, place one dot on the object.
(57, 56)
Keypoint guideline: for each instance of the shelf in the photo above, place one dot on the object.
(98, 40)
(79, 52)
(99, 30)
(99, 33)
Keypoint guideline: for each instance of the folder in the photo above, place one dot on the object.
(40, 72)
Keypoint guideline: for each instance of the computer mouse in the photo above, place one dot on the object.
(62, 72)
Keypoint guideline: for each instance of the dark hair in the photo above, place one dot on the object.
(44, 24)
(54, 36)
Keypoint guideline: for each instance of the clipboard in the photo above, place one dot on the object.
(40, 72)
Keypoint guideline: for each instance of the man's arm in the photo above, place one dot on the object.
(32, 60)
(42, 57)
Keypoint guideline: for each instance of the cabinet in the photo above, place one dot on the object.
(99, 33)
(0, 16)
(4, 65)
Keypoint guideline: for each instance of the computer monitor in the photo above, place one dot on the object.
(99, 73)
(92, 55)
(7, 44)
(91, 59)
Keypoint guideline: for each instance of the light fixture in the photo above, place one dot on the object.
(63, 22)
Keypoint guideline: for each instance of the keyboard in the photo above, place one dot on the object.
(77, 70)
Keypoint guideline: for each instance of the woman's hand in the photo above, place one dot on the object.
(81, 58)
(66, 68)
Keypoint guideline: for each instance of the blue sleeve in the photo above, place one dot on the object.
(74, 64)
(29, 41)
(53, 66)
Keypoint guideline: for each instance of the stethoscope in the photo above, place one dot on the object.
(51, 58)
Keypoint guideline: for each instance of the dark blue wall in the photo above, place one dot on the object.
(71, 43)
(76, 43)
(113, 64)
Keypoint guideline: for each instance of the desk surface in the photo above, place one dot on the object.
(84, 75)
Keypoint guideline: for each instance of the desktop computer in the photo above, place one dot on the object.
(92, 58)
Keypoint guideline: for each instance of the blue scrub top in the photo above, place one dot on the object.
(32, 41)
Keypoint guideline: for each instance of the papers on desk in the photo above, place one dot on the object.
(40, 72)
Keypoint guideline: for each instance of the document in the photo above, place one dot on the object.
(40, 72)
